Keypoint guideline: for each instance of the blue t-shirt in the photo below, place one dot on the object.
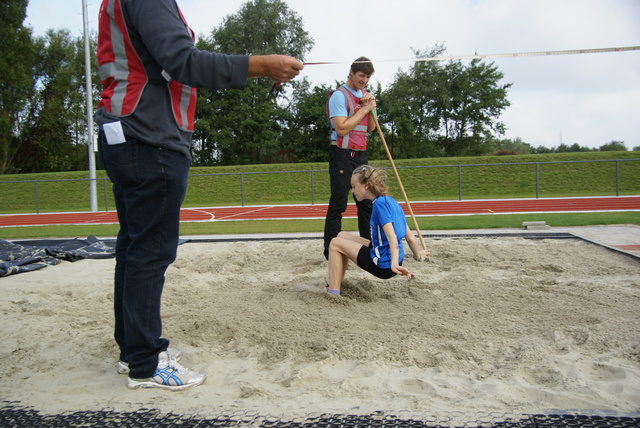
(338, 107)
(386, 210)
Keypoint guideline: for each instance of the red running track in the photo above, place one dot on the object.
(278, 212)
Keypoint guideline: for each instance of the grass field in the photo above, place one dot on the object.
(487, 177)
(317, 226)
(432, 179)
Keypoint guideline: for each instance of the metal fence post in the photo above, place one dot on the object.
(313, 189)
(242, 188)
(617, 178)
(106, 199)
(459, 182)
(37, 202)
(537, 180)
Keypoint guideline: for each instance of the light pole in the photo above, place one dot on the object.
(93, 195)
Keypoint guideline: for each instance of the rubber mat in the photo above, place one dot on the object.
(13, 415)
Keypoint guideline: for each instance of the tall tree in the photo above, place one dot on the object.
(54, 136)
(234, 127)
(445, 110)
(307, 132)
(16, 77)
(409, 109)
(470, 107)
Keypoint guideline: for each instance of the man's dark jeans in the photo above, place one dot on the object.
(149, 184)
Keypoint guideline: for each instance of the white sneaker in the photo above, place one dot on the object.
(168, 375)
(173, 353)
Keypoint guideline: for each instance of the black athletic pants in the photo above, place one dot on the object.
(342, 162)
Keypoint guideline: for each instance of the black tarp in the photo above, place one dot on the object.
(26, 256)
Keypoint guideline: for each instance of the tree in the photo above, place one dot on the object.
(16, 78)
(54, 133)
(234, 127)
(408, 110)
(517, 145)
(540, 150)
(450, 110)
(614, 146)
(307, 131)
(575, 147)
(42, 97)
(471, 104)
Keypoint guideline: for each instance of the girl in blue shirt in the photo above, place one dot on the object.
(382, 255)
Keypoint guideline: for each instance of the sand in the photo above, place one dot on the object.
(493, 324)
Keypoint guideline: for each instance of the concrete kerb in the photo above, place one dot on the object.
(609, 237)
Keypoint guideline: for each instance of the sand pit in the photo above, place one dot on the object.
(508, 324)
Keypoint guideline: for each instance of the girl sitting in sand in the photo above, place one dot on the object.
(383, 255)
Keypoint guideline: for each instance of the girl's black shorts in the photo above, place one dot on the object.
(366, 262)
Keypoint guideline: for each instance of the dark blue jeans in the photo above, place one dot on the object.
(342, 162)
(149, 185)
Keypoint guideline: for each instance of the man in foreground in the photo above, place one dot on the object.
(149, 67)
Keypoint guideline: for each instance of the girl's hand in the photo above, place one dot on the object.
(401, 271)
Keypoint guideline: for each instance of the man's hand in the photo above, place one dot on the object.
(279, 68)
(423, 256)
(368, 102)
(368, 98)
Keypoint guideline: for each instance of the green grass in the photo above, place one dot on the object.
(486, 221)
(480, 178)
(486, 177)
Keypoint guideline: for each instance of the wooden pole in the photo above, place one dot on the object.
(395, 171)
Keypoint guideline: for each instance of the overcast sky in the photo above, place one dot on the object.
(589, 99)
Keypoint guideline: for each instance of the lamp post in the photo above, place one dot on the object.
(91, 146)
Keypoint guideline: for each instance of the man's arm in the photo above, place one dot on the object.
(160, 28)
(343, 125)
